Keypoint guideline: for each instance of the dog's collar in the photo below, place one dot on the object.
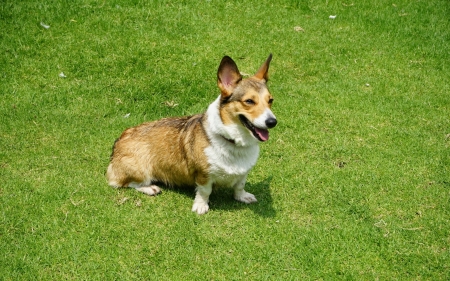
(229, 140)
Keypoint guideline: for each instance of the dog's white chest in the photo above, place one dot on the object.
(228, 166)
(229, 161)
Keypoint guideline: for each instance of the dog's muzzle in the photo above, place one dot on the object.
(261, 134)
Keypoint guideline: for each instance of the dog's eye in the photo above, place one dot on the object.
(270, 101)
(250, 102)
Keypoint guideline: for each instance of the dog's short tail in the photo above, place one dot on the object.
(111, 177)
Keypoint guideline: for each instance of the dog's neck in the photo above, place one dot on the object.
(234, 134)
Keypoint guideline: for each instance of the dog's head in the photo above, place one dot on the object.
(246, 102)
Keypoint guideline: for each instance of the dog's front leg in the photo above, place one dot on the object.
(241, 195)
(202, 198)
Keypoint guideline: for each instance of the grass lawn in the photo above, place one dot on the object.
(354, 183)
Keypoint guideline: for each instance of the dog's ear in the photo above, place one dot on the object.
(263, 72)
(228, 76)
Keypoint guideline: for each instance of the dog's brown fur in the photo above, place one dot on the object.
(139, 148)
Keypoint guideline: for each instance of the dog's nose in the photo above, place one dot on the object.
(271, 122)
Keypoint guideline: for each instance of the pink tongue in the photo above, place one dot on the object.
(262, 133)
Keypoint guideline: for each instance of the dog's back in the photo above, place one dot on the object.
(169, 151)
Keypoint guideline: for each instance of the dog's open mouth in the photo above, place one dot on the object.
(260, 134)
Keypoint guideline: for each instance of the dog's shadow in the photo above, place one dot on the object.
(222, 198)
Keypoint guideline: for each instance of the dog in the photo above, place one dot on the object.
(216, 148)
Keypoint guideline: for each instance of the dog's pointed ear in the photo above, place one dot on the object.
(228, 76)
(263, 72)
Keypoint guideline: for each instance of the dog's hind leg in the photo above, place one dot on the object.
(149, 189)
(119, 178)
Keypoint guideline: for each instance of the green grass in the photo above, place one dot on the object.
(354, 183)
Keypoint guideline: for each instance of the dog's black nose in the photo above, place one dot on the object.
(271, 122)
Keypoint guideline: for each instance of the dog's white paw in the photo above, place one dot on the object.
(200, 208)
(245, 197)
(149, 190)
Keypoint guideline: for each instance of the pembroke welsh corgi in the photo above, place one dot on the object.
(216, 148)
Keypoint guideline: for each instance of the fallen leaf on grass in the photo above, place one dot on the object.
(171, 104)
(122, 200)
(45, 25)
(138, 203)
(380, 224)
(299, 28)
(76, 203)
